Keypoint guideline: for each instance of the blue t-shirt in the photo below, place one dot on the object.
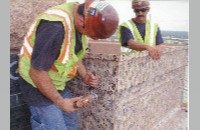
(49, 38)
(127, 35)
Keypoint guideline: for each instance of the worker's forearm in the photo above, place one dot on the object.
(137, 46)
(44, 84)
(81, 69)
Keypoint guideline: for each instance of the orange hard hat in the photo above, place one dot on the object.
(140, 4)
(101, 20)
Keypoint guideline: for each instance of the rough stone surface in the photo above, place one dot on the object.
(97, 46)
(135, 92)
(22, 14)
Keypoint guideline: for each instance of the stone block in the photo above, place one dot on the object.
(22, 14)
(135, 92)
(104, 47)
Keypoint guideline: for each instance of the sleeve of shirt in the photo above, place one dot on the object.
(126, 35)
(49, 38)
(159, 39)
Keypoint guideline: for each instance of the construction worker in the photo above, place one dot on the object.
(51, 55)
(138, 34)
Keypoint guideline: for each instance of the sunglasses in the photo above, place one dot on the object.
(142, 10)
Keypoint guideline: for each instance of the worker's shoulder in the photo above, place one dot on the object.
(153, 22)
(54, 24)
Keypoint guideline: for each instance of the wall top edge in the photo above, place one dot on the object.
(122, 57)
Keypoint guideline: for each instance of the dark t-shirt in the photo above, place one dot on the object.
(49, 38)
(127, 35)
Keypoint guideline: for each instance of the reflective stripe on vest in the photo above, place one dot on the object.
(126, 49)
(65, 53)
(26, 45)
(130, 27)
(152, 30)
(21, 51)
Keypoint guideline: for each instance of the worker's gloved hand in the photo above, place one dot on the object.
(91, 79)
(154, 52)
(67, 104)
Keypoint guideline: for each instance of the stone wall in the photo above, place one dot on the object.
(135, 92)
(22, 14)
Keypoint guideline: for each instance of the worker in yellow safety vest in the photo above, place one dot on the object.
(139, 33)
(52, 54)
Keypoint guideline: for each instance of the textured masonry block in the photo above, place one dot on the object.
(22, 14)
(135, 92)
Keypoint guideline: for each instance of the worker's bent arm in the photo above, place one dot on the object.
(132, 44)
(87, 77)
(154, 52)
(44, 84)
(81, 69)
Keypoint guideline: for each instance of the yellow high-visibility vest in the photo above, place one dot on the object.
(150, 34)
(65, 66)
